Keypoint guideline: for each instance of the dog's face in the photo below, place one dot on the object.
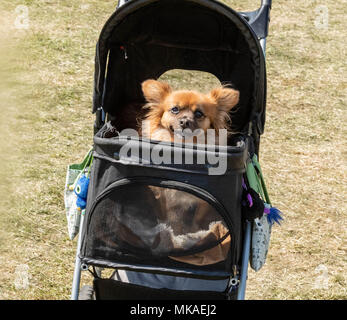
(178, 111)
(186, 110)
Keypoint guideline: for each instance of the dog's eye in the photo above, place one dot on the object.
(175, 110)
(198, 114)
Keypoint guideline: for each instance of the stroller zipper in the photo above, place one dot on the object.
(125, 52)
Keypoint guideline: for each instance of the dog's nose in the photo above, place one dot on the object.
(186, 123)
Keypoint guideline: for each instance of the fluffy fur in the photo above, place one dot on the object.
(171, 112)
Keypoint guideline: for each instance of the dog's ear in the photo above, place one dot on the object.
(226, 98)
(155, 91)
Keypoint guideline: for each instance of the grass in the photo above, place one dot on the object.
(46, 123)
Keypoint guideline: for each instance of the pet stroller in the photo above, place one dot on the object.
(174, 255)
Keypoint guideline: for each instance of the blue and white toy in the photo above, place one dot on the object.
(81, 190)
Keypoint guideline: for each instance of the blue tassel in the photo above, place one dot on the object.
(274, 215)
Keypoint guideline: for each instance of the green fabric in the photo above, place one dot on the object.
(256, 179)
(81, 166)
(75, 170)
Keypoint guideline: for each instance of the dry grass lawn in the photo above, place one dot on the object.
(46, 83)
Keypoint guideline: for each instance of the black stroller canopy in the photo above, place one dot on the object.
(145, 38)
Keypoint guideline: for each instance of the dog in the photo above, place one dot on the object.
(181, 114)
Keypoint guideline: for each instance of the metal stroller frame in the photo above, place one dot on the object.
(259, 21)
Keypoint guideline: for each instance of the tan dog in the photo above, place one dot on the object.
(180, 113)
(172, 112)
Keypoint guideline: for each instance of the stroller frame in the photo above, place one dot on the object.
(258, 21)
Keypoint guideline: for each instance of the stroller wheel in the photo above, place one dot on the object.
(86, 293)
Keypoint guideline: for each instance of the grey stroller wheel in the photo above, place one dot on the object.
(86, 293)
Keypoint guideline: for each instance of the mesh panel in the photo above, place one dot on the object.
(159, 222)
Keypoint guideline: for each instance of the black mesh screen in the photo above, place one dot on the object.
(152, 222)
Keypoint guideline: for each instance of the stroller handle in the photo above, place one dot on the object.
(259, 19)
(266, 3)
